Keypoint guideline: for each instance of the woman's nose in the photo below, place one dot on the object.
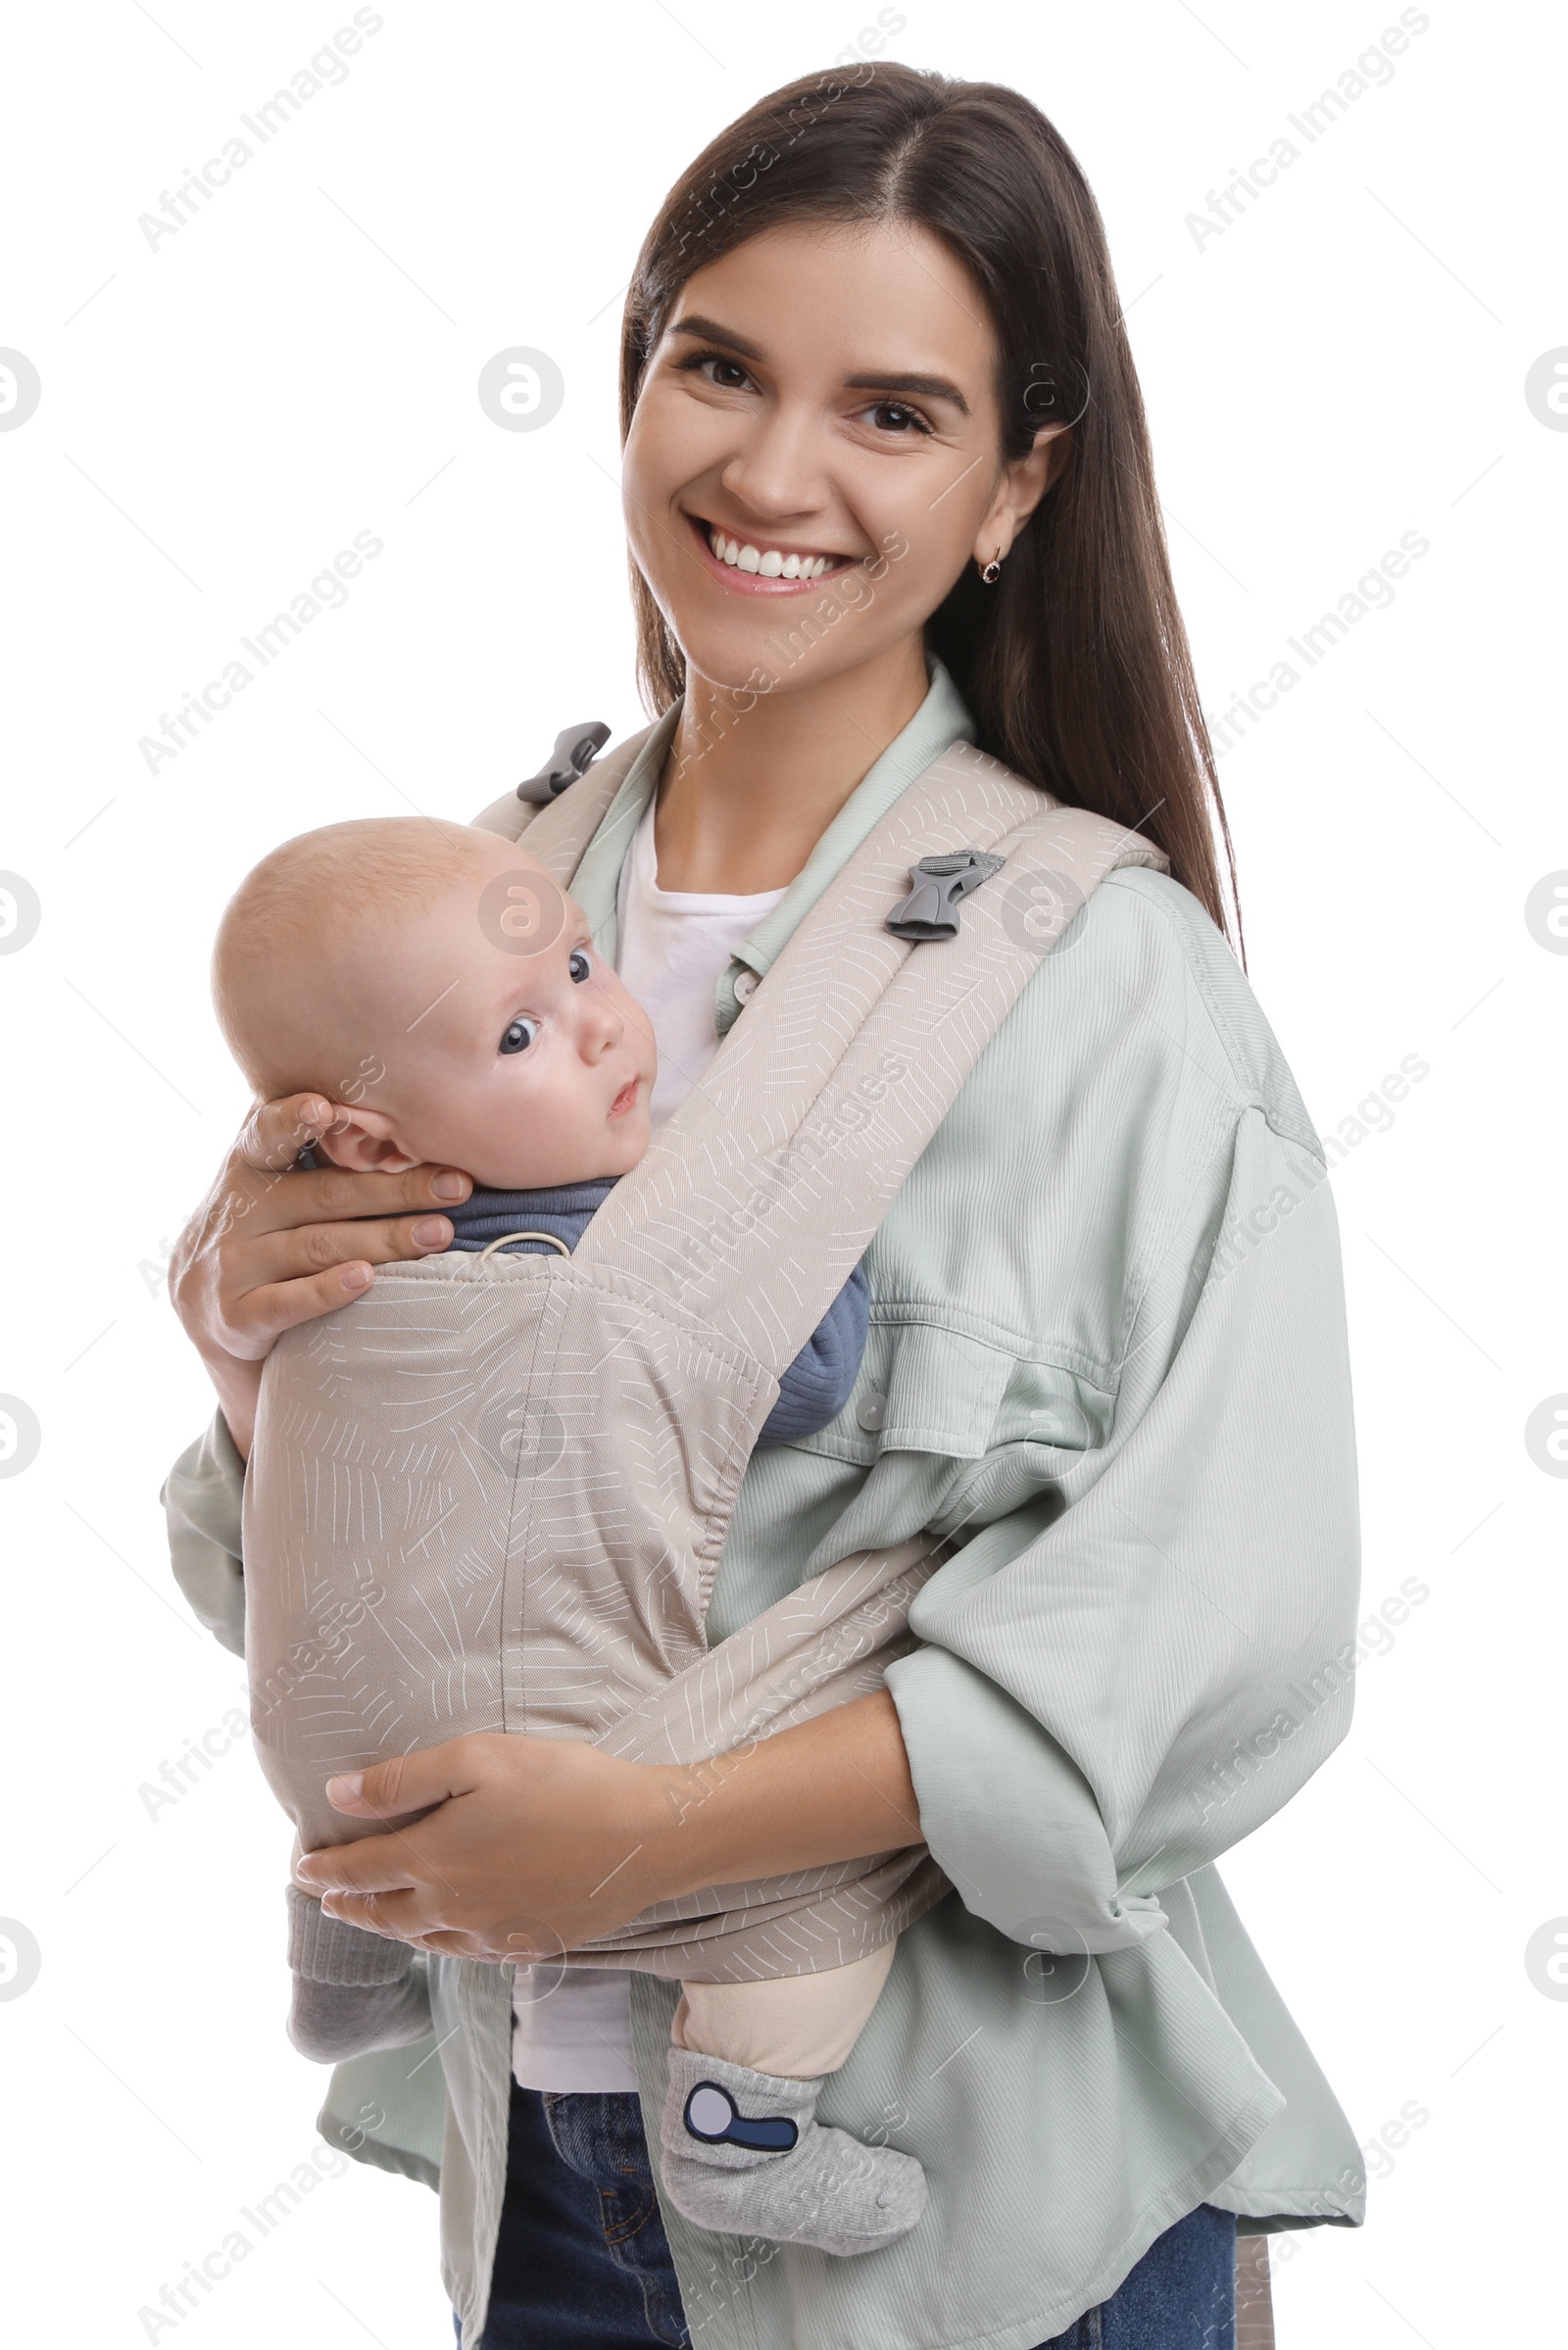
(777, 473)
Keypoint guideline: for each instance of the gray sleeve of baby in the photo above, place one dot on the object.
(353, 1992)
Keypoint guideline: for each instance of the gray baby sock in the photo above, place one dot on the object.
(352, 1990)
(745, 2155)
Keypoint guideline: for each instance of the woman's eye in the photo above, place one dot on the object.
(519, 1035)
(579, 965)
(896, 408)
(700, 361)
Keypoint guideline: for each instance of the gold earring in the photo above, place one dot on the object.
(991, 572)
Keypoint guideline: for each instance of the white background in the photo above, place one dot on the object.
(1342, 365)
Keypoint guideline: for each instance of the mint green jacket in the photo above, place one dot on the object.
(1108, 1351)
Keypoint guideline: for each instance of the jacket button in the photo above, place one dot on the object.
(745, 986)
(871, 1410)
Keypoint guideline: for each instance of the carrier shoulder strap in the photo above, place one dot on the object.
(559, 831)
(759, 1195)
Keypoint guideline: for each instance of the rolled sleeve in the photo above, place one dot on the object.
(202, 1496)
(1112, 1692)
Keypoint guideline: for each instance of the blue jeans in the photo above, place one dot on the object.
(582, 2261)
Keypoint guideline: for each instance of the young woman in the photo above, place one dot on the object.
(887, 486)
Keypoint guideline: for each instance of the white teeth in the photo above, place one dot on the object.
(770, 563)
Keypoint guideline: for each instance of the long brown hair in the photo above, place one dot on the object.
(1075, 665)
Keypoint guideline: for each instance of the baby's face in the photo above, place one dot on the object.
(522, 1064)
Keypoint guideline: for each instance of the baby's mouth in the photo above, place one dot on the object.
(626, 1098)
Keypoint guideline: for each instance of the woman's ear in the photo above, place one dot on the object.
(362, 1140)
(1023, 485)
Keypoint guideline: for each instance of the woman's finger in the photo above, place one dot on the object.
(295, 1275)
(399, 1917)
(251, 1201)
(276, 1131)
(264, 1157)
(370, 1912)
(315, 1244)
(273, 1281)
(263, 1314)
(381, 1863)
(407, 1783)
(404, 1917)
(393, 1792)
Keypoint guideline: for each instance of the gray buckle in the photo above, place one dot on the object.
(930, 911)
(576, 749)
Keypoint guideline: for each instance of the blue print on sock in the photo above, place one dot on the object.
(712, 2115)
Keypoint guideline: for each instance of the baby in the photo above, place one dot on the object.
(443, 993)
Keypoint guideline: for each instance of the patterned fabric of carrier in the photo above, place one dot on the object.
(492, 1494)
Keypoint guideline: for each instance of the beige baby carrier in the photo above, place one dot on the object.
(492, 1494)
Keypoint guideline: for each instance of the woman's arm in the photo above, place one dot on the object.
(1106, 1696)
(540, 1844)
(270, 1248)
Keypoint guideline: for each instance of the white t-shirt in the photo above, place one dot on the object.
(571, 2026)
(674, 944)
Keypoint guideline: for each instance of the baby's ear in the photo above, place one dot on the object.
(363, 1141)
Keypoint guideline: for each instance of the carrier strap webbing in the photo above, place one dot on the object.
(759, 1195)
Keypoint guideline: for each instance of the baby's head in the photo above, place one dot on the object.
(442, 991)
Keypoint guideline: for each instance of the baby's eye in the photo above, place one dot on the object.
(579, 956)
(521, 1035)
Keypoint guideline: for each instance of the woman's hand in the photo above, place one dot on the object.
(537, 1845)
(270, 1248)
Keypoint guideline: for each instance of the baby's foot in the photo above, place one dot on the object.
(352, 1990)
(328, 2021)
(745, 2155)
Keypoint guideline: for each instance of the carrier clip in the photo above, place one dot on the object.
(576, 749)
(931, 909)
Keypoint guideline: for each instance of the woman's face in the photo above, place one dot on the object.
(821, 400)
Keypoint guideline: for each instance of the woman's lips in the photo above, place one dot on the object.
(751, 583)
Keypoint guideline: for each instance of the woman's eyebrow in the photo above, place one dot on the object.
(709, 330)
(925, 387)
(922, 387)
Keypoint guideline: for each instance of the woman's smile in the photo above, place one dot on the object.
(755, 565)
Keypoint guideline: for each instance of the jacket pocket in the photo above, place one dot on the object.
(922, 1387)
(1045, 1403)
